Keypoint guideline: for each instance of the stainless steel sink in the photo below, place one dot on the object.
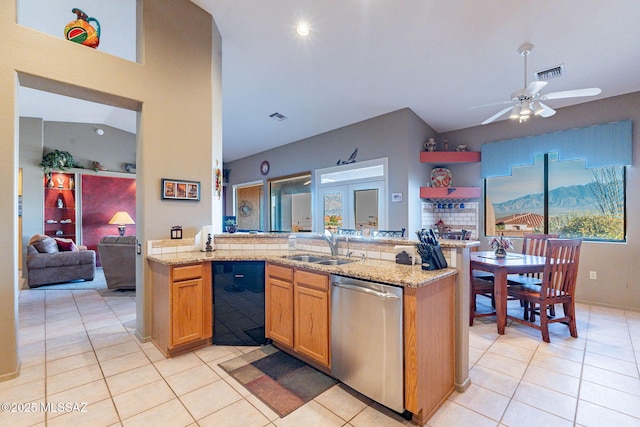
(306, 258)
(335, 261)
(319, 259)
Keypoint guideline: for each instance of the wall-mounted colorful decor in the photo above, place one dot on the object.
(80, 31)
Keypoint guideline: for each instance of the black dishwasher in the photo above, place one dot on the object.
(238, 302)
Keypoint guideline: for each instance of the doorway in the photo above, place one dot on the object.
(352, 196)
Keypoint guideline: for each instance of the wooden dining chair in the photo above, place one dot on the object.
(532, 244)
(480, 286)
(557, 287)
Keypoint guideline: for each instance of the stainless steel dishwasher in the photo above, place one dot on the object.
(366, 339)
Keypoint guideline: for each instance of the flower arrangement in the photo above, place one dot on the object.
(501, 242)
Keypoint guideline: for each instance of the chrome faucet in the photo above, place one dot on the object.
(332, 240)
(349, 253)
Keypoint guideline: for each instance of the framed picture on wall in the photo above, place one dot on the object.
(177, 189)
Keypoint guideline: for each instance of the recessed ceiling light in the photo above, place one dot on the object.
(99, 131)
(303, 29)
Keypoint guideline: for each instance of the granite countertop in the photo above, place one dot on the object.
(370, 269)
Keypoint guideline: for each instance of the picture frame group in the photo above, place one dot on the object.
(179, 189)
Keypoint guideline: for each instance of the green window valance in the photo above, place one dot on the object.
(600, 146)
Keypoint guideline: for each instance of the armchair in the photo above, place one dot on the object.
(118, 258)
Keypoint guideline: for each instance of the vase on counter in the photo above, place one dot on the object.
(231, 228)
(500, 252)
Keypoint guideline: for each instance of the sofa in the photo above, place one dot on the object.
(118, 258)
(53, 260)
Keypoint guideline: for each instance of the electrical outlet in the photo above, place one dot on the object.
(593, 275)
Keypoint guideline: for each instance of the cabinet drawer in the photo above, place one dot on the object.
(312, 280)
(186, 272)
(282, 273)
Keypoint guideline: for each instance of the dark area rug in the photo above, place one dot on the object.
(282, 382)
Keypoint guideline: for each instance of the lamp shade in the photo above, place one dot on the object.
(121, 218)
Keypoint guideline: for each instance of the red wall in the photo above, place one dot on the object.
(102, 197)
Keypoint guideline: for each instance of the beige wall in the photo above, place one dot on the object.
(175, 86)
(616, 264)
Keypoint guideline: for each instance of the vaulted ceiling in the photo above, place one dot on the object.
(364, 58)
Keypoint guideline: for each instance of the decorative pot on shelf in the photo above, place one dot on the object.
(231, 228)
(500, 252)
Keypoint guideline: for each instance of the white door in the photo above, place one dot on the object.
(355, 206)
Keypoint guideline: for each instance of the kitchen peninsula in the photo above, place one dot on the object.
(182, 312)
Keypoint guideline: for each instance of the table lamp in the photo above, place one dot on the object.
(122, 219)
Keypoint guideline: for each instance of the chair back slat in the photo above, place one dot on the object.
(536, 244)
(561, 268)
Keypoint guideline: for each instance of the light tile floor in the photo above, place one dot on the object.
(77, 347)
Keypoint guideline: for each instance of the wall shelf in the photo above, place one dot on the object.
(449, 156)
(63, 189)
(446, 193)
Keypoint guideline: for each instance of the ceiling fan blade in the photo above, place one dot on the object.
(592, 91)
(495, 116)
(535, 87)
(491, 104)
(546, 111)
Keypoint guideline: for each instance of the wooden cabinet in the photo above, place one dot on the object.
(181, 314)
(297, 311)
(449, 193)
(279, 304)
(60, 205)
(429, 347)
(311, 316)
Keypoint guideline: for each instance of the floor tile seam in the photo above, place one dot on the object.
(369, 405)
(190, 391)
(162, 378)
(613, 388)
(575, 412)
(492, 391)
(499, 422)
(527, 361)
(551, 389)
(584, 356)
(217, 410)
(609, 408)
(560, 356)
(609, 369)
(612, 356)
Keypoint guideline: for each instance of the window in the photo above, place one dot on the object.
(561, 197)
(290, 203)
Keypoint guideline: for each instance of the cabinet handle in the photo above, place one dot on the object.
(365, 290)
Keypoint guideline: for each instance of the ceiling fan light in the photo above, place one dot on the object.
(525, 110)
(515, 112)
(537, 108)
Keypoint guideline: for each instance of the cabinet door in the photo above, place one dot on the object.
(186, 311)
(279, 304)
(311, 317)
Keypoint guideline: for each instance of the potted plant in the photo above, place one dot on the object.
(57, 160)
(230, 225)
(500, 245)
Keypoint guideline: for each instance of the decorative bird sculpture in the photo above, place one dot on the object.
(351, 159)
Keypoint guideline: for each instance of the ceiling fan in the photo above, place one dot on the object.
(528, 100)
